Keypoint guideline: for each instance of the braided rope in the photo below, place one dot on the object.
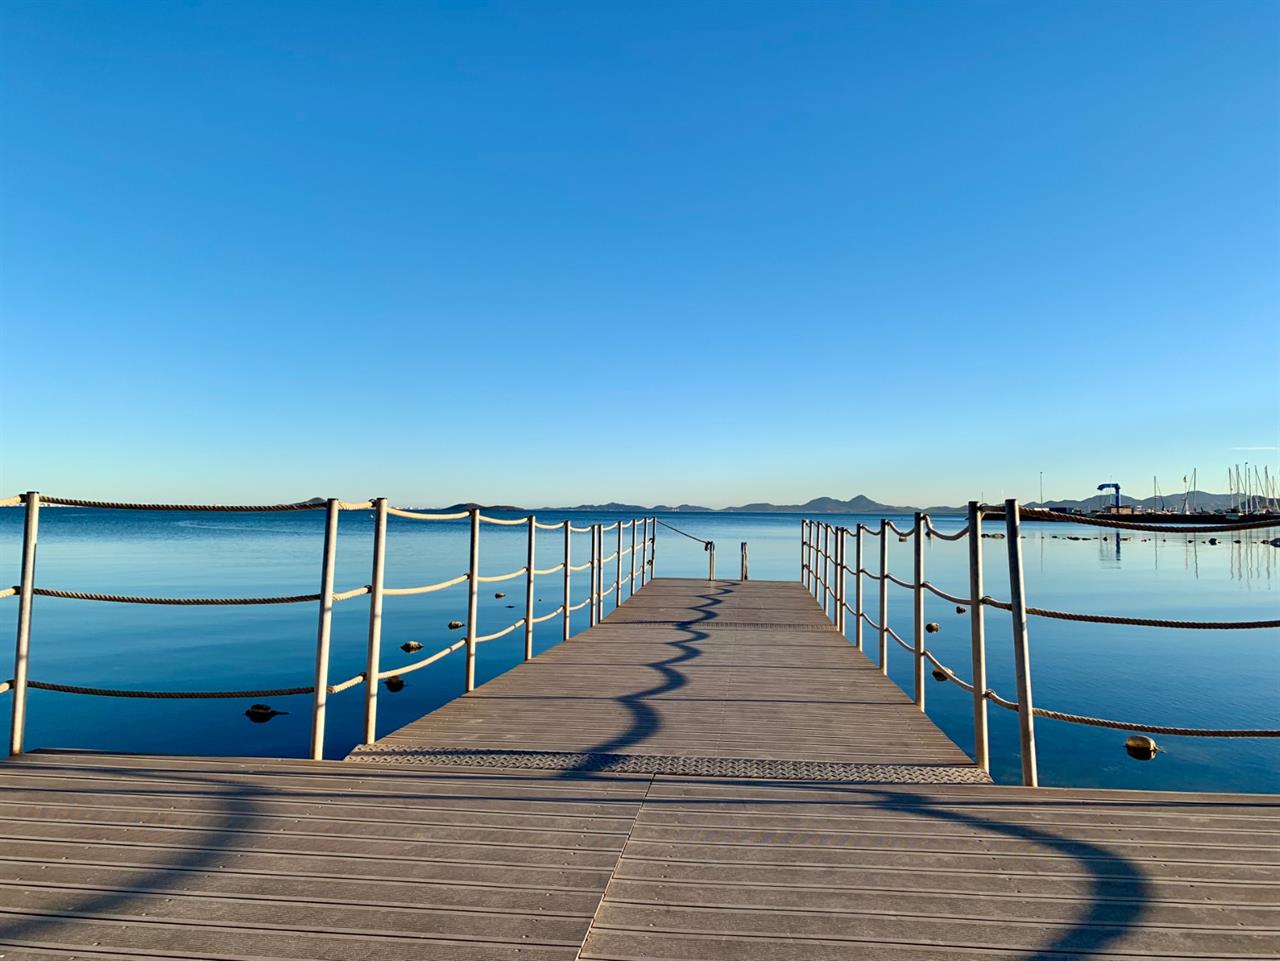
(10, 591)
(679, 531)
(354, 592)
(954, 599)
(13, 501)
(216, 508)
(169, 695)
(355, 505)
(173, 601)
(549, 570)
(425, 662)
(428, 589)
(934, 532)
(907, 585)
(578, 607)
(579, 567)
(550, 614)
(608, 527)
(1136, 621)
(870, 623)
(501, 577)
(502, 633)
(6, 686)
(1039, 514)
(890, 525)
(549, 527)
(951, 675)
(578, 530)
(903, 644)
(504, 521)
(420, 516)
(1126, 726)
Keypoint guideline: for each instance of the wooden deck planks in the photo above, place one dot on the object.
(131, 856)
(215, 857)
(692, 668)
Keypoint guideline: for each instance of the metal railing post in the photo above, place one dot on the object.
(826, 561)
(884, 597)
(918, 605)
(473, 599)
(1021, 653)
(22, 642)
(711, 560)
(528, 588)
(804, 553)
(857, 587)
(841, 586)
(978, 640)
(653, 550)
(568, 578)
(644, 553)
(632, 591)
(617, 582)
(324, 630)
(374, 654)
(592, 595)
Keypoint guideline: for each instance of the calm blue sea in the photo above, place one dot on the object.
(1192, 678)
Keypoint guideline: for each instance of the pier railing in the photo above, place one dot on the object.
(636, 539)
(825, 571)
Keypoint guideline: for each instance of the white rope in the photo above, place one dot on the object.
(428, 589)
(578, 607)
(504, 521)
(945, 596)
(546, 617)
(419, 516)
(355, 506)
(502, 633)
(550, 527)
(579, 567)
(425, 662)
(538, 571)
(10, 591)
(908, 586)
(934, 532)
(578, 530)
(354, 592)
(502, 577)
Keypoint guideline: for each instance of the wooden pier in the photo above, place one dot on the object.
(712, 772)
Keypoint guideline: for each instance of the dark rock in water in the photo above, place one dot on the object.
(410, 646)
(500, 594)
(454, 625)
(262, 713)
(394, 683)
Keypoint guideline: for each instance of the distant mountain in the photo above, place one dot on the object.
(859, 504)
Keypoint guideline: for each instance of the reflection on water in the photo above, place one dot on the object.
(1197, 678)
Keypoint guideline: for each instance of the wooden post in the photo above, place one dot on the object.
(745, 568)
(1021, 653)
(632, 591)
(978, 640)
(804, 553)
(884, 597)
(617, 582)
(918, 580)
(568, 577)
(644, 553)
(857, 587)
(711, 560)
(374, 653)
(825, 558)
(22, 643)
(323, 631)
(473, 599)
(529, 578)
(653, 551)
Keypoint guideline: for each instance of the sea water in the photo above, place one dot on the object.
(1191, 678)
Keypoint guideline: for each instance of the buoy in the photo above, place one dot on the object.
(1140, 747)
(410, 646)
(395, 683)
(454, 625)
(500, 594)
(931, 628)
(939, 674)
(262, 713)
(510, 606)
(1213, 540)
(959, 609)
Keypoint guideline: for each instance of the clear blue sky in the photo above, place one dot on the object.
(711, 252)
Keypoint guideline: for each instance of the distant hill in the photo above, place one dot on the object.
(859, 504)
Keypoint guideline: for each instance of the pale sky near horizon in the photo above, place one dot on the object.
(548, 253)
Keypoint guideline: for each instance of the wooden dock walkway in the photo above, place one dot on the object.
(711, 773)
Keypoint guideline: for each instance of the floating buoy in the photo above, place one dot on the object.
(959, 609)
(1140, 747)
(931, 628)
(395, 683)
(500, 594)
(262, 713)
(510, 606)
(410, 646)
(1213, 541)
(454, 625)
(939, 674)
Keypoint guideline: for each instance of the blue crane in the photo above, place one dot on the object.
(1116, 487)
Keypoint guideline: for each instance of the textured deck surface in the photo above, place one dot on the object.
(694, 677)
(564, 855)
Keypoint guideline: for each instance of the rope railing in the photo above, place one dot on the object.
(671, 527)
(425, 589)
(823, 550)
(327, 597)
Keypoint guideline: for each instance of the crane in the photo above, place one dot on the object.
(1116, 487)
